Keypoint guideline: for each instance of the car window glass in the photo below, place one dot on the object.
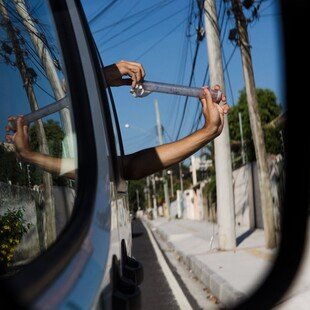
(36, 195)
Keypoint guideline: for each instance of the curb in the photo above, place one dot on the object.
(227, 295)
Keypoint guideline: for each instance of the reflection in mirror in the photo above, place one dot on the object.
(237, 238)
(37, 159)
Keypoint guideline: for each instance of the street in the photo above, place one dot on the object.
(209, 278)
(167, 283)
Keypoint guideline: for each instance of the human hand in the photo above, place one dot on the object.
(114, 73)
(213, 112)
(20, 136)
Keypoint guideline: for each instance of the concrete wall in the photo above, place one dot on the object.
(243, 197)
(247, 195)
(192, 207)
(248, 212)
(17, 197)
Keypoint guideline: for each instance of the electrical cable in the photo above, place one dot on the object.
(143, 12)
(161, 39)
(125, 29)
(144, 30)
(102, 12)
(191, 76)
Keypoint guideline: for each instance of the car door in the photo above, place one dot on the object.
(70, 248)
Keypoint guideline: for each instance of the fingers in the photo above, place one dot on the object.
(16, 125)
(217, 87)
(9, 138)
(19, 124)
(25, 130)
(11, 125)
(134, 69)
(136, 73)
(208, 97)
(225, 108)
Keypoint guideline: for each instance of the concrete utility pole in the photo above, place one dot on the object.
(148, 196)
(154, 197)
(181, 177)
(161, 141)
(180, 193)
(170, 172)
(138, 199)
(241, 134)
(223, 168)
(256, 127)
(47, 228)
(47, 63)
(194, 171)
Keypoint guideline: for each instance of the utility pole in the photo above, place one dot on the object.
(194, 171)
(256, 127)
(223, 168)
(181, 177)
(241, 134)
(154, 197)
(180, 194)
(48, 231)
(138, 199)
(48, 65)
(161, 141)
(148, 196)
(171, 182)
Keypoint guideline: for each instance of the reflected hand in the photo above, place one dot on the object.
(213, 112)
(114, 73)
(20, 137)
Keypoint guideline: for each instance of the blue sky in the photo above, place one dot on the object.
(156, 38)
(158, 34)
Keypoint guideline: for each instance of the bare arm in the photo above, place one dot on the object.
(51, 164)
(66, 166)
(148, 161)
(48, 163)
(114, 73)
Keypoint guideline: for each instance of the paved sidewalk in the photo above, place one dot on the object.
(231, 275)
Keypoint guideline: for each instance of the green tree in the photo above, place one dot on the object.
(11, 170)
(15, 171)
(133, 186)
(269, 109)
(54, 136)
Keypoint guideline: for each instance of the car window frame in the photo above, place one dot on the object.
(24, 287)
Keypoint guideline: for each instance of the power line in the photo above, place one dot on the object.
(144, 13)
(196, 123)
(222, 34)
(226, 70)
(182, 65)
(122, 19)
(192, 72)
(161, 39)
(132, 25)
(19, 19)
(190, 83)
(102, 12)
(46, 92)
(144, 30)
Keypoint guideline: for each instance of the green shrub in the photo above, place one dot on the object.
(12, 228)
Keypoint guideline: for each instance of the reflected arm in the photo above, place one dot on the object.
(58, 166)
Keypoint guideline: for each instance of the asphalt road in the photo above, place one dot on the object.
(155, 290)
